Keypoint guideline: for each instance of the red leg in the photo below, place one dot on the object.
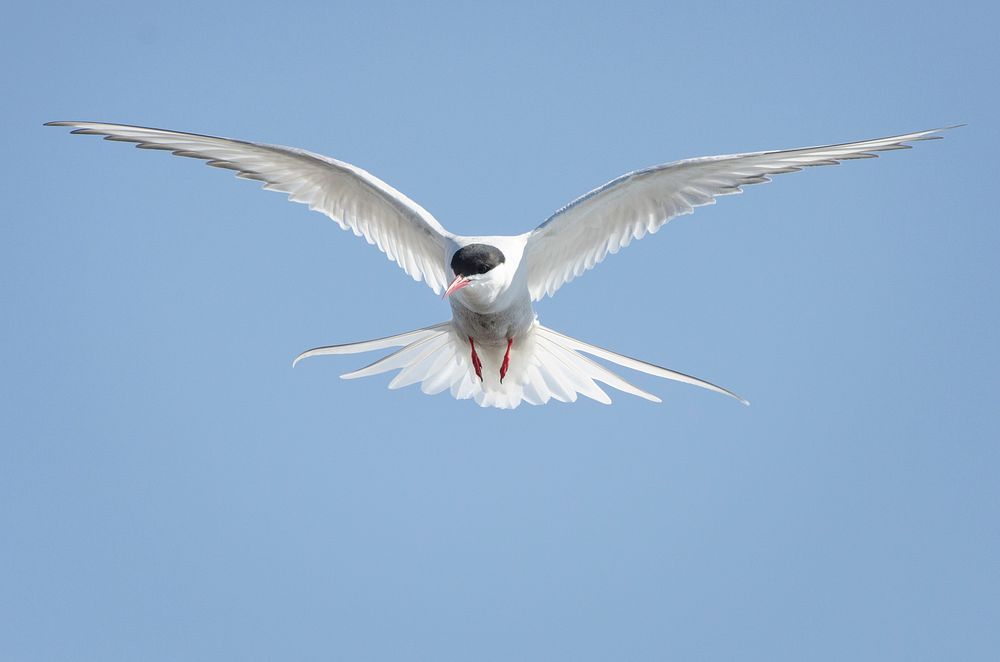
(476, 363)
(506, 360)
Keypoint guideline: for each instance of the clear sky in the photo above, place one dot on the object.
(171, 489)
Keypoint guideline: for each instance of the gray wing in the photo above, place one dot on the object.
(355, 199)
(581, 234)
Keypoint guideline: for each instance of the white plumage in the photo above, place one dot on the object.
(494, 279)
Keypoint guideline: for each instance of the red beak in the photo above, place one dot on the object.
(456, 285)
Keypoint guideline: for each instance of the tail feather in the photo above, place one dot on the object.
(422, 368)
(567, 365)
(544, 365)
(636, 364)
(395, 361)
(398, 340)
(559, 381)
(440, 377)
(599, 373)
(464, 388)
(534, 388)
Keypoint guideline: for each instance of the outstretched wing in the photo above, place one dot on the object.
(355, 199)
(582, 233)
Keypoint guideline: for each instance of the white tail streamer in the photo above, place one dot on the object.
(544, 365)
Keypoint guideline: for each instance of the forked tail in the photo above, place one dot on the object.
(544, 365)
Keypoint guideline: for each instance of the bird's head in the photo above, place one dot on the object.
(481, 274)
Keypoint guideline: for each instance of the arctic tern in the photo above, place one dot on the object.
(493, 349)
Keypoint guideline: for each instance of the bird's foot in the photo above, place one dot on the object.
(476, 363)
(506, 360)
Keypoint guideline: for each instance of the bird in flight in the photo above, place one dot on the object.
(493, 349)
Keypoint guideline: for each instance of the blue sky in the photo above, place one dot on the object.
(170, 489)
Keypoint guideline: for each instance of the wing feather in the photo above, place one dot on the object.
(605, 220)
(357, 200)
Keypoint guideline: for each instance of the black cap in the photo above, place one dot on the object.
(476, 259)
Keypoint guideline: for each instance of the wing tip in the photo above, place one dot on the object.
(930, 134)
(77, 123)
(739, 398)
